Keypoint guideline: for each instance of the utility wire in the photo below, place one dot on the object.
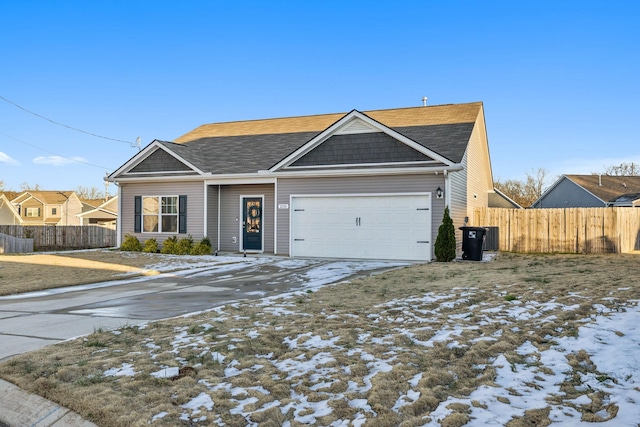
(55, 154)
(63, 125)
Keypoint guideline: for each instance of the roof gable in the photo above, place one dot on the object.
(159, 157)
(46, 197)
(357, 139)
(8, 213)
(160, 161)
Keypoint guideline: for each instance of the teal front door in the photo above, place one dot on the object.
(252, 223)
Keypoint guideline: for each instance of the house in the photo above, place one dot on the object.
(368, 185)
(497, 199)
(574, 191)
(8, 213)
(631, 200)
(104, 214)
(48, 207)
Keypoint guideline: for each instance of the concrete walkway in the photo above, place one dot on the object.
(34, 320)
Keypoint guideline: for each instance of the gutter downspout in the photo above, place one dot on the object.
(206, 210)
(218, 218)
(119, 220)
(447, 189)
(275, 217)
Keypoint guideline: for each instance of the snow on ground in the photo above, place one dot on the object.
(611, 339)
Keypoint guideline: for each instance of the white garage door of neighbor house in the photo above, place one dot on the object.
(369, 227)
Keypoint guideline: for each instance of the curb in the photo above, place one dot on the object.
(19, 408)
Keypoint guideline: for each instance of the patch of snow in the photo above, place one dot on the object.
(166, 373)
(126, 370)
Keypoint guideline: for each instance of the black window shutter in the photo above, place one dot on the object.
(182, 214)
(137, 212)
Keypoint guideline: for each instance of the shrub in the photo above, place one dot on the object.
(184, 246)
(131, 243)
(169, 245)
(202, 248)
(445, 248)
(205, 241)
(150, 246)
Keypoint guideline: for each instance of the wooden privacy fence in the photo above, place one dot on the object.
(14, 245)
(50, 237)
(578, 230)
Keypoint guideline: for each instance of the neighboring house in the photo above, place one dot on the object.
(581, 191)
(497, 199)
(105, 213)
(8, 213)
(631, 200)
(369, 185)
(48, 207)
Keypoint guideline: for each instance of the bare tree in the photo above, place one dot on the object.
(87, 193)
(623, 169)
(25, 186)
(526, 192)
(1, 185)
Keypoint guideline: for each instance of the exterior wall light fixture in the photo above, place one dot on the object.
(439, 193)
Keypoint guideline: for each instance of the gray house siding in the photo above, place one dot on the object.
(195, 207)
(231, 215)
(568, 194)
(212, 215)
(422, 183)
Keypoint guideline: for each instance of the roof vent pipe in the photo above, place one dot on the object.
(424, 101)
(600, 180)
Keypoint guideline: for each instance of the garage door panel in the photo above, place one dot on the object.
(374, 227)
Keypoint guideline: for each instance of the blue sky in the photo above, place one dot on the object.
(558, 79)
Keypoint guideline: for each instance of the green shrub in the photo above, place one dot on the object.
(184, 246)
(206, 241)
(202, 248)
(131, 243)
(150, 246)
(445, 248)
(169, 246)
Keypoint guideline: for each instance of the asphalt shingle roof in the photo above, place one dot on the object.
(254, 145)
(607, 188)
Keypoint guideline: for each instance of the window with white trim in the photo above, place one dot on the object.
(160, 214)
(32, 212)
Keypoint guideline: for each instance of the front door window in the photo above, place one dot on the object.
(252, 224)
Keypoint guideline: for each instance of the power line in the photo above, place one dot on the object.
(55, 154)
(133, 144)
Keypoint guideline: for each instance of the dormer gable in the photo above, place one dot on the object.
(356, 140)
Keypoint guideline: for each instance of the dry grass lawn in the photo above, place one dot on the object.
(363, 340)
(33, 272)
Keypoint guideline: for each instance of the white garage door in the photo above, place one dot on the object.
(370, 227)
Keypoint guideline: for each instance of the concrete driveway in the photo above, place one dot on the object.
(33, 320)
